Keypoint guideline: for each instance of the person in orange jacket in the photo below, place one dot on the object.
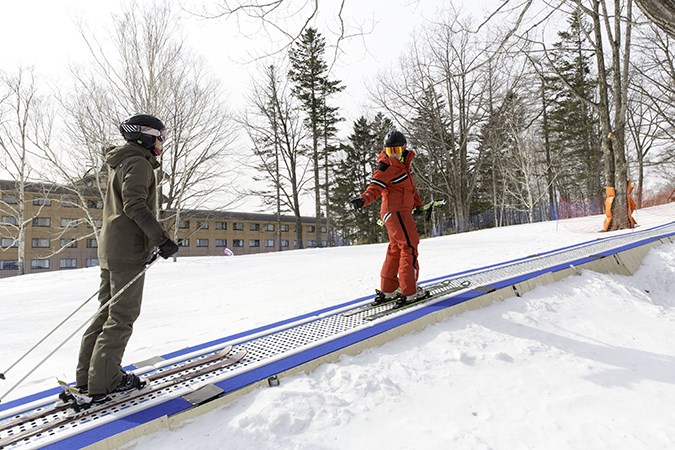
(393, 181)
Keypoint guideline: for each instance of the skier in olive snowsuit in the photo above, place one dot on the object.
(130, 233)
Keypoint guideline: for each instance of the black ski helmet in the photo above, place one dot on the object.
(143, 129)
(394, 139)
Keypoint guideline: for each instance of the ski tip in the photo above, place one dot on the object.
(2, 376)
(239, 354)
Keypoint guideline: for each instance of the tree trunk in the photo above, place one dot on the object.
(552, 209)
(620, 58)
(661, 12)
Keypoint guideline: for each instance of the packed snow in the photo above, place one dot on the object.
(587, 362)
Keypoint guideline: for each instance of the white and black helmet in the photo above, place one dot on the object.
(143, 129)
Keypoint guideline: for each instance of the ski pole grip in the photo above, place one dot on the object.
(153, 256)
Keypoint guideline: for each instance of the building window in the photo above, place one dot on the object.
(40, 243)
(296, 243)
(92, 243)
(311, 229)
(68, 202)
(39, 264)
(324, 229)
(42, 202)
(238, 226)
(284, 227)
(42, 222)
(221, 225)
(9, 265)
(324, 243)
(183, 224)
(237, 243)
(68, 263)
(221, 242)
(254, 243)
(284, 243)
(95, 204)
(202, 242)
(269, 227)
(184, 243)
(311, 243)
(269, 243)
(91, 262)
(253, 227)
(202, 225)
(9, 220)
(98, 223)
(68, 243)
(10, 199)
(8, 242)
(67, 222)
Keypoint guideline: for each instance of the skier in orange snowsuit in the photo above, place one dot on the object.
(393, 181)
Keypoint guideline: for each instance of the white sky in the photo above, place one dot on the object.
(43, 34)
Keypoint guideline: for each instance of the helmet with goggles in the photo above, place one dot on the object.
(143, 129)
(394, 143)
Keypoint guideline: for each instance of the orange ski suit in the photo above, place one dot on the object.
(393, 181)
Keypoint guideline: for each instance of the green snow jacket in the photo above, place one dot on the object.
(130, 231)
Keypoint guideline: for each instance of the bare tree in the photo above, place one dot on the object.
(276, 131)
(611, 41)
(439, 92)
(645, 127)
(661, 12)
(656, 67)
(20, 109)
(285, 21)
(610, 37)
(77, 164)
(150, 70)
(651, 108)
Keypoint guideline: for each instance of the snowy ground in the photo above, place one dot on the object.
(588, 362)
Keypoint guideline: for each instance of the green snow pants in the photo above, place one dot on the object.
(103, 344)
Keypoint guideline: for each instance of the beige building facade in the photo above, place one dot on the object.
(61, 230)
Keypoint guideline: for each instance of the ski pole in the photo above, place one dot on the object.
(152, 260)
(2, 375)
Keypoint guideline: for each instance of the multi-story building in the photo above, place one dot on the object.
(206, 233)
(60, 232)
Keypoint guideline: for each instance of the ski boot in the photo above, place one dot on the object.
(128, 382)
(419, 295)
(80, 400)
(384, 297)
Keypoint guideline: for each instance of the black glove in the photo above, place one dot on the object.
(357, 203)
(168, 249)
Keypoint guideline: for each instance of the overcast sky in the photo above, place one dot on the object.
(44, 34)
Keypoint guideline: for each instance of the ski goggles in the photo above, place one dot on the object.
(394, 151)
(161, 135)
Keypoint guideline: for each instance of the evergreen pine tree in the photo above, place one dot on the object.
(352, 173)
(312, 86)
(430, 134)
(574, 139)
(277, 134)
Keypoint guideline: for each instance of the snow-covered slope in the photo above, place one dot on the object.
(588, 362)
